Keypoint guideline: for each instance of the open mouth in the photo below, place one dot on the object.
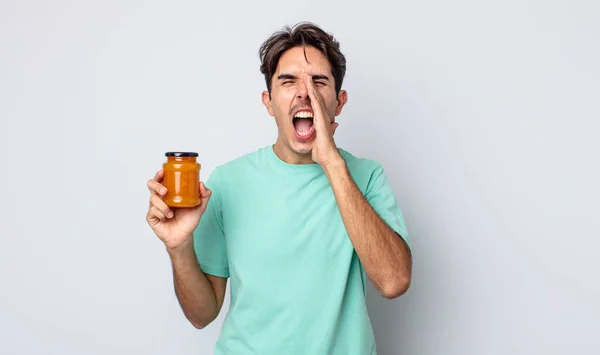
(303, 125)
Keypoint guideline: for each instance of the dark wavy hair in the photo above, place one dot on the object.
(302, 34)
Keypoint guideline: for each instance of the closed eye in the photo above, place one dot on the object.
(319, 80)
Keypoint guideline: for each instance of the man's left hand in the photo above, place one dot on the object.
(324, 150)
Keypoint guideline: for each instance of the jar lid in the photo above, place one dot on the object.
(181, 154)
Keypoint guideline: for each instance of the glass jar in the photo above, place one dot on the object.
(181, 178)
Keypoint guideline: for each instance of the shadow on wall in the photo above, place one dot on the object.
(395, 321)
(391, 321)
(399, 323)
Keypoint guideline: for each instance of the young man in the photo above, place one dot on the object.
(297, 226)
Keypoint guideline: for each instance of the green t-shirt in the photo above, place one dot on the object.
(297, 285)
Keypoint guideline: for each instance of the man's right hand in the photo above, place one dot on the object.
(200, 295)
(174, 226)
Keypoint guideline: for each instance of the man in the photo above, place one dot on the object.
(296, 225)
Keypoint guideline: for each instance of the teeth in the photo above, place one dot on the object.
(304, 114)
(304, 134)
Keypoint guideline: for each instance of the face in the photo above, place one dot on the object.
(290, 105)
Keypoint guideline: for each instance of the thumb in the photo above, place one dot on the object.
(334, 125)
(204, 193)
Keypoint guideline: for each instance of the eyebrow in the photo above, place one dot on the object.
(292, 76)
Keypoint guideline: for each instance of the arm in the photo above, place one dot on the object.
(383, 253)
(200, 296)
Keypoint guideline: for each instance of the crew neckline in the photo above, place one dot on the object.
(295, 168)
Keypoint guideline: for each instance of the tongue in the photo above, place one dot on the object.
(303, 124)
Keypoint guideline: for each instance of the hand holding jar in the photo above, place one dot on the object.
(177, 199)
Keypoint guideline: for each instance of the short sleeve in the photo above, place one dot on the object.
(381, 197)
(209, 236)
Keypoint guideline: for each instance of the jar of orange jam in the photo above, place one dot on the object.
(181, 178)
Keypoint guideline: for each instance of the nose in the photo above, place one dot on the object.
(302, 92)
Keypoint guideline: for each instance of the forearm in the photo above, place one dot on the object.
(383, 253)
(194, 291)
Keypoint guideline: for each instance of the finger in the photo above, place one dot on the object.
(316, 102)
(155, 214)
(158, 203)
(159, 175)
(205, 194)
(156, 187)
(313, 94)
(203, 190)
(310, 88)
(307, 80)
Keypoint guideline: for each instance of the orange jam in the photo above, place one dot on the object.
(181, 178)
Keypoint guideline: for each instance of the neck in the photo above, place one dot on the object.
(287, 155)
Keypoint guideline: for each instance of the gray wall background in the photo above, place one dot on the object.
(485, 115)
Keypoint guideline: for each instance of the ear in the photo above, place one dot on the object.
(266, 100)
(342, 99)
